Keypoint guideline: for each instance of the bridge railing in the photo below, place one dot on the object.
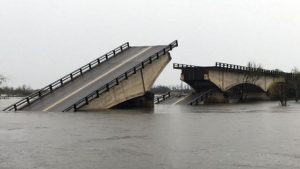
(201, 98)
(162, 97)
(66, 79)
(245, 68)
(180, 66)
(85, 101)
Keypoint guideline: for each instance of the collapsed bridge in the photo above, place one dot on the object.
(121, 75)
(225, 77)
(224, 81)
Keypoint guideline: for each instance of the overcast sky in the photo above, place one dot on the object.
(42, 40)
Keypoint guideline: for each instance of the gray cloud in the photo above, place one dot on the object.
(42, 40)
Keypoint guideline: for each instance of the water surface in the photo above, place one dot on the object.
(242, 136)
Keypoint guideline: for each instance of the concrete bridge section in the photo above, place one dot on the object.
(224, 77)
(136, 86)
(122, 74)
(175, 98)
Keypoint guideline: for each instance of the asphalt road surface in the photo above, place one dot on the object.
(80, 87)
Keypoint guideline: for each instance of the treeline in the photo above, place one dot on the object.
(160, 89)
(2, 79)
(16, 92)
(291, 88)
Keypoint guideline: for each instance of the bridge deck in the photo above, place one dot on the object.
(81, 86)
(186, 100)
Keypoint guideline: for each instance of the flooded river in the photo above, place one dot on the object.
(233, 136)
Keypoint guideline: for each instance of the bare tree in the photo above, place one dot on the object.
(296, 82)
(2, 79)
(253, 73)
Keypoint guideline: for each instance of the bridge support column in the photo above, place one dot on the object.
(143, 101)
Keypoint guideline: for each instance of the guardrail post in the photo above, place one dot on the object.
(157, 55)
(107, 87)
(134, 70)
(97, 93)
(72, 76)
(126, 75)
(143, 65)
(86, 100)
(117, 81)
(150, 60)
(75, 107)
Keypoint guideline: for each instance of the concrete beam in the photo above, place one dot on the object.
(135, 86)
(226, 80)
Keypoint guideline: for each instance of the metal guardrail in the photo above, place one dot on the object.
(162, 97)
(293, 76)
(245, 68)
(233, 67)
(85, 101)
(66, 79)
(180, 66)
(201, 98)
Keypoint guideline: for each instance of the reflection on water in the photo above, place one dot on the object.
(260, 135)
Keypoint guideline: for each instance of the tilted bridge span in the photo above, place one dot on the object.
(121, 75)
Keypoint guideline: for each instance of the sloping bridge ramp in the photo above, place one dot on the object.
(194, 98)
(121, 74)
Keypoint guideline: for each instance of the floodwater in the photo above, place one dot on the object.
(234, 136)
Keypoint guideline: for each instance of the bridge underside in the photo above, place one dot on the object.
(136, 86)
(202, 85)
(228, 82)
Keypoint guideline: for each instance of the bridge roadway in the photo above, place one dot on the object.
(184, 99)
(81, 86)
